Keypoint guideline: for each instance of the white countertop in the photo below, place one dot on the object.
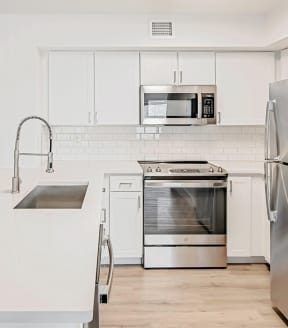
(242, 167)
(48, 257)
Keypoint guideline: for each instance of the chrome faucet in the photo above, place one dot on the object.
(16, 179)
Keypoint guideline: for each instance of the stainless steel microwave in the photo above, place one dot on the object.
(178, 105)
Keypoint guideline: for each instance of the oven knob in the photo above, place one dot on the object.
(158, 169)
(211, 170)
(149, 169)
(220, 170)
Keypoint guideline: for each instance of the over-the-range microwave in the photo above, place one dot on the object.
(178, 105)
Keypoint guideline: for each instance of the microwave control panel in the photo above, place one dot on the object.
(208, 105)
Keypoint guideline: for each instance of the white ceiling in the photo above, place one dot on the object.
(226, 7)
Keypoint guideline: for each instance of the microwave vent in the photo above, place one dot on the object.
(162, 29)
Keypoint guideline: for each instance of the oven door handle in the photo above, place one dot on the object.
(186, 184)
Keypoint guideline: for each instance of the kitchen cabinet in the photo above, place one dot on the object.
(242, 81)
(196, 68)
(248, 228)
(239, 217)
(170, 68)
(71, 88)
(159, 68)
(117, 88)
(126, 218)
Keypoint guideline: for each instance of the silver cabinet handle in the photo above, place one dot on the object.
(104, 219)
(219, 117)
(104, 290)
(175, 73)
(139, 202)
(181, 76)
(231, 186)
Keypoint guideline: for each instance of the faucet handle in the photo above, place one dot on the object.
(50, 163)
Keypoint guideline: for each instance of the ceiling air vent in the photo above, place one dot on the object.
(162, 29)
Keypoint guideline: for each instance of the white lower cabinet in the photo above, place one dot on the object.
(239, 217)
(248, 232)
(126, 218)
(126, 224)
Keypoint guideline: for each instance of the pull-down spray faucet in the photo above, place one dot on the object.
(16, 179)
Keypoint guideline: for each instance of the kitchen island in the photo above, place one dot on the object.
(48, 256)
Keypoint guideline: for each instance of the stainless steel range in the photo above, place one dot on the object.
(184, 214)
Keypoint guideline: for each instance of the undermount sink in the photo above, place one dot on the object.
(54, 197)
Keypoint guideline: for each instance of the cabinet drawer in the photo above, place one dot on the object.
(125, 183)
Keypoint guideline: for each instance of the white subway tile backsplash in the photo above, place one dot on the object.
(159, 143)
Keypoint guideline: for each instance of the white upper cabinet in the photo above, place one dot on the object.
(284, 65)
(170, 68)
(117, 88)
(71, 88)
(242, 81)
(196, 68)
(159, 68)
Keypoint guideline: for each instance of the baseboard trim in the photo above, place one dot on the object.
(124, 261)
(246, 260)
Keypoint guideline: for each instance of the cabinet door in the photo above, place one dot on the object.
(243, 87)
(71, 87)
(117, 88)
(239, 217)
(159, 68)
(126, 224)
(196, 68)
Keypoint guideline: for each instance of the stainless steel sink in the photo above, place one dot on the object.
(54, 197)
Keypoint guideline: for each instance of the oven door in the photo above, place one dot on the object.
(170, 105)
(186, 212)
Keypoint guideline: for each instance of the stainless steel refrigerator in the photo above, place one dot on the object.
(276, 185)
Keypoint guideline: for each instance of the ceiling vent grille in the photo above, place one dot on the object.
(162, 29)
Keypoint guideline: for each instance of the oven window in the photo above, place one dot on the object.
(184, 210)
(171, 105)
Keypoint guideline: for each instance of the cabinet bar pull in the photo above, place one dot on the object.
(181, 76)
(219, 117)
(104, 215)
(174, 77)
(231, 186)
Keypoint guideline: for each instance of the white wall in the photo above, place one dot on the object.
(277, 27)
(22, 35)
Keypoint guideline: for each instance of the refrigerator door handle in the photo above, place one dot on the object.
(270, 114)
(271, 212)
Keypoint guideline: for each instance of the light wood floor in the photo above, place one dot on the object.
(237, 297)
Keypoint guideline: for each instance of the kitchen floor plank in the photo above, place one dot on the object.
(236, 297)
